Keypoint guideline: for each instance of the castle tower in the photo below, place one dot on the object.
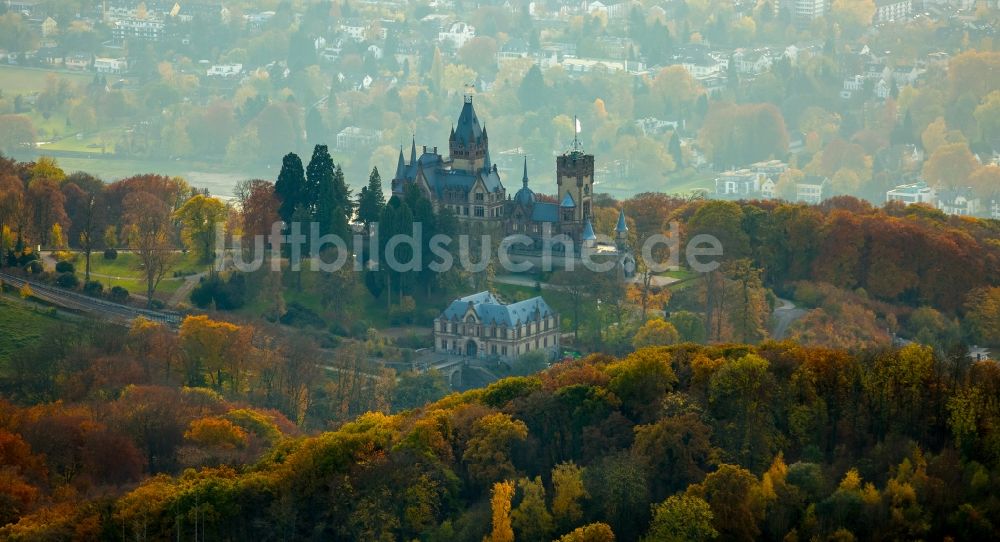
(468, 143)
(621, 232)
(575, 180)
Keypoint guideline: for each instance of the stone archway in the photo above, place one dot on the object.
(471, 349)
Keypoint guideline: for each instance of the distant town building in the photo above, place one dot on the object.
(225, 71)
(138, 30)
(78, 62)
(958, 201)
(892, 10)
(908, 194)
(480, 326)
(354, 138)
(457, 34)
(813, 189)
(115, 66)
(739, 183)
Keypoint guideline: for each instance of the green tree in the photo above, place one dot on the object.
(531, 518)
(732, 493)
(418, 389)
(681, 518)
(488, 451)
(655, 332)
(201, 217)
(568, 494)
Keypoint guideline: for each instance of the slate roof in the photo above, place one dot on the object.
(622, 227)
(468, 130)
(440, 178)
(568, 201)
(491, 311)
(545, 212)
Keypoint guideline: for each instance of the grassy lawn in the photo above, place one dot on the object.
(21, 325)
(124, 271)
(16, 80)
(90, 143)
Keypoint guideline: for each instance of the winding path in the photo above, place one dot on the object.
(785, 314)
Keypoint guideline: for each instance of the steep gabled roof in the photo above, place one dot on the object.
(468, 130)
(491, 311)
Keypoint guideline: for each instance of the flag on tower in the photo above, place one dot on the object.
(578, 126)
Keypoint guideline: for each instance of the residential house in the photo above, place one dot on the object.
(137, 29)
(958, 201)
(457, 34)
(812, 190)
(49, 27)
(78, 62)
(752, 62)
(908, 194)
(768, 188)
(892, 10)
(354, 138)
(116, 66)
(738, 183)
(225, 71)
(769, 168)
(481, 326)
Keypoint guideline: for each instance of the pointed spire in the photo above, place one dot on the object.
(622, 227)
(413, 150)
(524, 179)
(588, 231)
(400, 165)
(451, 137)
(486, 160)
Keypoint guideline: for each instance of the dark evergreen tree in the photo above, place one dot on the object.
(532, 92)
(675, 150)
(315, 127)
(371, 200)
(290, 188)
(332, 206)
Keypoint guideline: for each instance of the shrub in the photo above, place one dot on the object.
(34, 267)
(67, 280)
(110, 254)
(157, 304)
(65, 267)
(118, 294)
(227, 295)
(93, 288)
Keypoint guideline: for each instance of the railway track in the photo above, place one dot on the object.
(102, 308)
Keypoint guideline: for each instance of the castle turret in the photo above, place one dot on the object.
(400, 165)
(469, 145)
(621, 231)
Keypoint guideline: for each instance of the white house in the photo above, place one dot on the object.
(225, 71)
(891, 10)
(958, 201)
(457, 34)
(812, 189)
(908, 194)
(115, 66)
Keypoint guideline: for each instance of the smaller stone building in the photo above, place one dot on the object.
(480, 326)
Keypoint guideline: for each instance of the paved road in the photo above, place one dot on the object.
(784, 315)
(80, 303)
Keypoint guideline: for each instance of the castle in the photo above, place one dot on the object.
(469, 184)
